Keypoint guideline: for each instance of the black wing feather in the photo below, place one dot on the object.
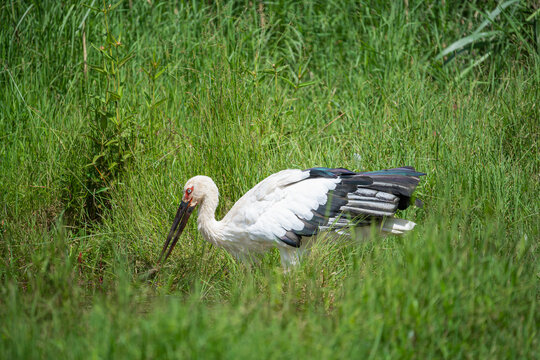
(363, 197)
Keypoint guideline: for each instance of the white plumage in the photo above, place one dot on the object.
(294, 204)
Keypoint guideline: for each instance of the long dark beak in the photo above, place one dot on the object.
(180, 221)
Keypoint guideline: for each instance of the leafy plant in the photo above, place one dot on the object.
(152, 98)
(503, 29)
(111, 128)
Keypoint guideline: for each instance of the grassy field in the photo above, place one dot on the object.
(104, 114)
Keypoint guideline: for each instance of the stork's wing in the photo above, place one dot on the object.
(295, 203)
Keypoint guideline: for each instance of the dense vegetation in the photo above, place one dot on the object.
(106, 111)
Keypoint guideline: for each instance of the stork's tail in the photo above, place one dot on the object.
(378, 201)
(359, 200)
(401, 182)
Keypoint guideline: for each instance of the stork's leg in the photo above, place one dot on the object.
(306, 245)
(289, 258)
(247, 259)
(397, 226)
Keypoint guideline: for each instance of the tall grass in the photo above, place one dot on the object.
(244, 90)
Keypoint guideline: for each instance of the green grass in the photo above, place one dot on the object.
(249, 91)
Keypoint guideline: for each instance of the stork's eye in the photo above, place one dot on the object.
(188, 191)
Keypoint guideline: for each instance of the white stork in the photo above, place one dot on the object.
(289, 206)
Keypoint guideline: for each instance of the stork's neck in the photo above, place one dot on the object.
(208, 225)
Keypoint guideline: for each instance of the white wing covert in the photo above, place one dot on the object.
(294, 203)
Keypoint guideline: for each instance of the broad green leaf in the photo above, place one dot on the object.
(96, 158)
(111, 142)
(492, 15)
(159, 102)
(533, 15)
(160, 73)
(461, 43)
(102, 51)
(288, 81)
(66, 18)
(103, 122)
(91, 7)
(147, 97)
(114, 96)
(115, 6)
(307, 83)
(473, 65)
(125, 59)
(98, 69)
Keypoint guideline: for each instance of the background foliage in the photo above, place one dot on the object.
(107, 110)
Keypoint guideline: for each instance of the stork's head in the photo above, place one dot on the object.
(196, 191)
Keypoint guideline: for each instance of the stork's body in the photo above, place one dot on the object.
(292, 205)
